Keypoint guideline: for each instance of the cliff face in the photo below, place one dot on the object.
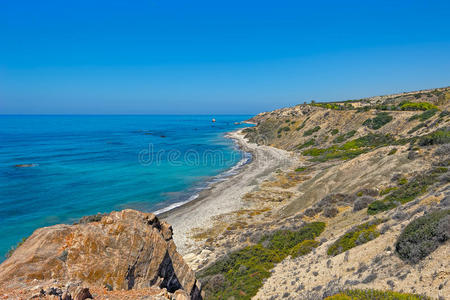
(121, 251)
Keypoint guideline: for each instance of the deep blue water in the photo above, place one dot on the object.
(82, 165)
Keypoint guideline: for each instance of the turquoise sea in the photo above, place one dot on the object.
(56, 169)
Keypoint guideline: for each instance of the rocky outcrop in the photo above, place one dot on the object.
(121, 251)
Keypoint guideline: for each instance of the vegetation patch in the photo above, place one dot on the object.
(304, 248)
(350, 149)
(388, 190)
(343, 137)
(379, 121)
(356, 236)
(331, 105)
(307, 144)
(423, 235)
(440, 136)
(417, 106)
(311, 131)
(425, 115)
(285, 128)
(334, 131)
(393, 151)
(240, 274)
(375, 295)
(406, 192)
(302, 125)
(415, 128)
(301, 169)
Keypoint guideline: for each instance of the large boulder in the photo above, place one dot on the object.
(123, 250)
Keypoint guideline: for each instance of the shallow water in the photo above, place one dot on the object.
(56, 169)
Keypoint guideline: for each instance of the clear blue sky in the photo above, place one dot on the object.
(168, 56)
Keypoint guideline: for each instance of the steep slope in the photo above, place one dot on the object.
(367, 169)
(120, 251)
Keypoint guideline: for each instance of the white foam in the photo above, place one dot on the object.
(247, 157)
(175, 205)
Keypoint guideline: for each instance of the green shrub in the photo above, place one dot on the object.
(311, 131)
(444, 113)
(334, 131)
(379, 121)
(307, 144)
(440, 136)
(374, 295)
(425, 115)
(302, 125)
(393, 151)
(301, 169)
(402, 181)
(284, 240)
(241, 273)
(406, 192)
(415, 128)
(286, 128)
(329, 106)
(350, 149)
(354, 237)
(343, 137)
(304, 247)
(417, 106)
(423, 235)
(388, 190)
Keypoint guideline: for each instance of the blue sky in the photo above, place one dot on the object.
(211, 57)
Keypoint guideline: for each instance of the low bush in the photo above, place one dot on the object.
(311, 131)
(343, 137)
(362, 202)
(406, 192)
(438, 137)
(302, 125)
(334, 131)
(330, 212)
(307, 144)
(350, 149)
(374, 295)
(415, 128)
(286, 128)
(240, 274)
(423, 235)
(388, 190)
(379, 121)
(354, 237)
(393, 151)
(284, 240)
(417, 106)
(425, 115)
(304, 247)
(301, 169)
(330, 106)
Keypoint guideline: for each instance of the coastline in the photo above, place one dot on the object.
(225, 196)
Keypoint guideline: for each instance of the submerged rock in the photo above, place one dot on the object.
(124, 250)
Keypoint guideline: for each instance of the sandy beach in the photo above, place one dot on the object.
(226, 196)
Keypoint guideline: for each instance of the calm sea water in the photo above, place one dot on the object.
(81, 165)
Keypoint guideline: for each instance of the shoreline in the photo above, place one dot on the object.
(225, 196)
(202, 194)
(248, 156)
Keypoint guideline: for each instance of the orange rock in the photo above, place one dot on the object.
(126, 250)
